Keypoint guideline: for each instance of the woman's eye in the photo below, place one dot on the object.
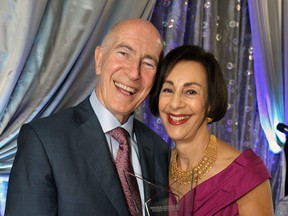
(191, 92)
(167, 90)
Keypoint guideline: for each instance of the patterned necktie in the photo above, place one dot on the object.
(124, 167)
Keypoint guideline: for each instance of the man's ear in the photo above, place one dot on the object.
(98, 59)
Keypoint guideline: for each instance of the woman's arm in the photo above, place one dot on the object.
(257, 202)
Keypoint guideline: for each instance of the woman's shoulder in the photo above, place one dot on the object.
(246, 161)
(226, 154)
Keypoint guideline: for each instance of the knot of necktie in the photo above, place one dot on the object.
(120, 134)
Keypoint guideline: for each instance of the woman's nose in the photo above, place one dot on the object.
(176, 101)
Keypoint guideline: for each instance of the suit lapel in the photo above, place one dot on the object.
(152, 188)
(146, 159)
(97, 154)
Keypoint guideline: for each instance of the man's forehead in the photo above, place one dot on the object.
(135, 50)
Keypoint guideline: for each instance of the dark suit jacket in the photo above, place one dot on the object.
(63, 167)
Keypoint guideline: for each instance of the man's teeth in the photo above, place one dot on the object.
(126, 88)
(178, 118)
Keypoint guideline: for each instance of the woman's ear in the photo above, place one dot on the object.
(208, 110)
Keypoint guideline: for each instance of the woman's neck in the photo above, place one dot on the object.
(189, 153)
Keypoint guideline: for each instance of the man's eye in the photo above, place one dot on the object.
(123, 53)
(149, 64)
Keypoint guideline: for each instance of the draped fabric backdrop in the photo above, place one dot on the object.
(47, 64)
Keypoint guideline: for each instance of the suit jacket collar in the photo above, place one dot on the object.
(146, 156)
(97, 154)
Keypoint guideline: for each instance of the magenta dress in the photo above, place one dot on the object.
(218, 194)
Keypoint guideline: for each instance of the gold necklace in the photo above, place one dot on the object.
(198, 171)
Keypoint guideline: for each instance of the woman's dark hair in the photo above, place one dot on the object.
(217, 90)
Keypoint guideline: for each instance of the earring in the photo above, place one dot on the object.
(209, 120)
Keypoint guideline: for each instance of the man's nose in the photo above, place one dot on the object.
(135, 72)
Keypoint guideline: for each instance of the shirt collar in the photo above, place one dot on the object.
(107, 120)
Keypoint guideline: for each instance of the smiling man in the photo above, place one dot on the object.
(65, 163)
(126, 64)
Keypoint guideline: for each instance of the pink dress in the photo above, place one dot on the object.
(218, 195)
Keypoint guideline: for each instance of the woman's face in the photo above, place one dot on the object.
(183, 100)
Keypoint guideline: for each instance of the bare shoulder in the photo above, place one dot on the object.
(226, 153)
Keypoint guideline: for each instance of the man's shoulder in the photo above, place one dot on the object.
(69, 115)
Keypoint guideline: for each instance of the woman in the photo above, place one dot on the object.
(207, 175)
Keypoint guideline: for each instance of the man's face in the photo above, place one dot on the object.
(126, 67)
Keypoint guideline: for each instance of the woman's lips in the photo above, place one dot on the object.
(177, 119)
